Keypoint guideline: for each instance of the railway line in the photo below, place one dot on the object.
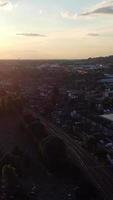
(101, 178)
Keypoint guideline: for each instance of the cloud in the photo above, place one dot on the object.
(102, 8)
(40, 11)
(31, 34)
(68, 15)
(93, 34)
(7, 5)
(105, 7)
(3, 3)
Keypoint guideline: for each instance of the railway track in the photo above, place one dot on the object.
(101, 178)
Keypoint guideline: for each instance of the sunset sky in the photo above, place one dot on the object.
(55, 29)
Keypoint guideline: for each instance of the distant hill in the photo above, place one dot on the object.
(30, 62)
(96, 60)
(107, 59)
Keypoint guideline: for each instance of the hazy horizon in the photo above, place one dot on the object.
(50, 59)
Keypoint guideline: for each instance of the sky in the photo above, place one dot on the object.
(55, 29)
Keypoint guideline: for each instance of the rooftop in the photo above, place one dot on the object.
(108, 116)
(106, 80)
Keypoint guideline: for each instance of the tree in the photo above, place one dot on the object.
(12, 189)
(54, 153)
(90, 143)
